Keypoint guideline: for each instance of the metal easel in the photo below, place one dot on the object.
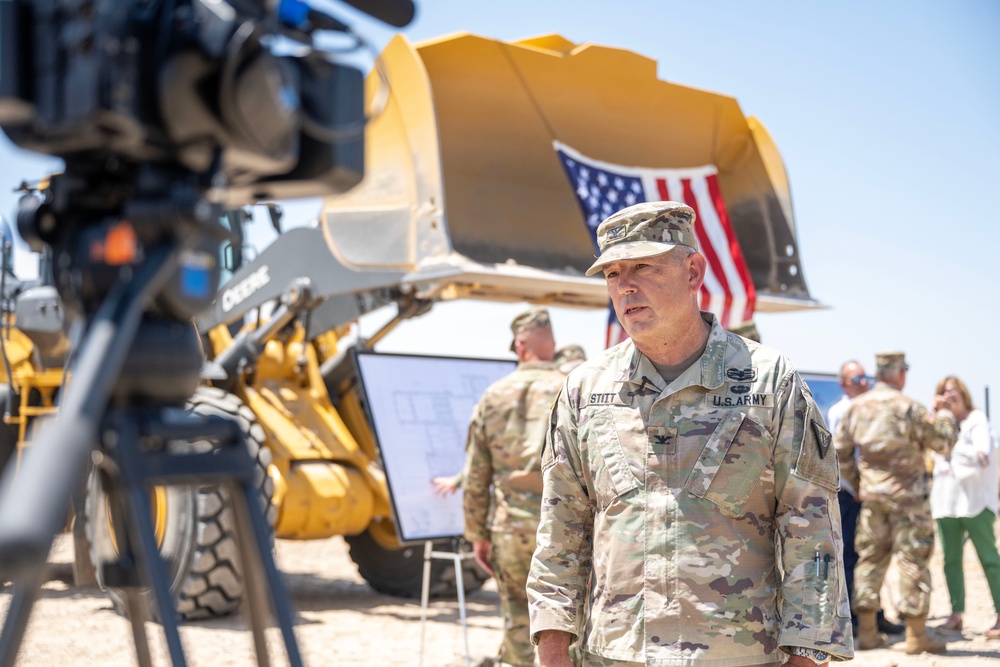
(456, 557)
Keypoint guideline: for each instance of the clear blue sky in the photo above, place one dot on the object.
(886, 114)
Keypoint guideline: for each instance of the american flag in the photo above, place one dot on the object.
(603, 188)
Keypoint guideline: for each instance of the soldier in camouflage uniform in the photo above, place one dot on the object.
(892, 434)
(677, 467)
(502, 477)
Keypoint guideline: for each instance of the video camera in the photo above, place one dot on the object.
(196, 83)
(168, 111)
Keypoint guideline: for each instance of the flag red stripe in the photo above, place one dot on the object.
(616, 334)
(664, 192)
(734, 246)
(710, 252)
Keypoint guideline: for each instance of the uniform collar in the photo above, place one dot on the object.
(708, 370)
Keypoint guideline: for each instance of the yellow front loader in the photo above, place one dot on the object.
(33, 348)
(464, 197)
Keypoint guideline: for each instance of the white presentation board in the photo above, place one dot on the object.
(420, 407)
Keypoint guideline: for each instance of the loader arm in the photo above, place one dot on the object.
(340, 294)
(299, 256)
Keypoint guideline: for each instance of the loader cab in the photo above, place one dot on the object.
(232, 253)
(239, 250)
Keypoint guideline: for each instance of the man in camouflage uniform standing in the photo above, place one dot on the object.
(676, 466)
(892, 435)
(502, 474)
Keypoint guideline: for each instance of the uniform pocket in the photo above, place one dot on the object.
(817, 459)
(821, 593)
(613, 477)
(819, 604)
(731, 463)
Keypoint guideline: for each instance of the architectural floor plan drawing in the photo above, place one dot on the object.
(420, 408)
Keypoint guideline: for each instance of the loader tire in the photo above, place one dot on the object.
(400, 571)
(196, 526)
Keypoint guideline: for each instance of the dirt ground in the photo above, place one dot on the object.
(343, 622)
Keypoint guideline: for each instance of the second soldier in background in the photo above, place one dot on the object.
(502, 478)
(892, 434)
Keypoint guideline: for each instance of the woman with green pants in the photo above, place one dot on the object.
(964, 499)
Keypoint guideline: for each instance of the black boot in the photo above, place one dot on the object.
(888, 627)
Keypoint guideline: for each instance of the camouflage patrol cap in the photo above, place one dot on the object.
(644, 230)
(529, 319)
(569, 353)
(892, 359)
(569, 357)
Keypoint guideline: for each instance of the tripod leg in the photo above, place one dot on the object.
(83, 569)
(154, 569)
(135, 610)
(135, 606)
(424, 597)
(259, 568)
(136, 515)
(460, 580)
(16, 621)
(254, 594)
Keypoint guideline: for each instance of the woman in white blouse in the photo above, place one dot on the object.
(964, 499)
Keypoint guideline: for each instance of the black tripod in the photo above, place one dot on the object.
(134, 367)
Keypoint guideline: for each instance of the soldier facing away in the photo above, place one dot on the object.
(677, 464)
(892, 435)
(502, 477)
(854, 382)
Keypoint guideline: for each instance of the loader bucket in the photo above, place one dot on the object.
(463, 178)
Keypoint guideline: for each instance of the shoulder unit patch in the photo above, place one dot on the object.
(823, 438)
